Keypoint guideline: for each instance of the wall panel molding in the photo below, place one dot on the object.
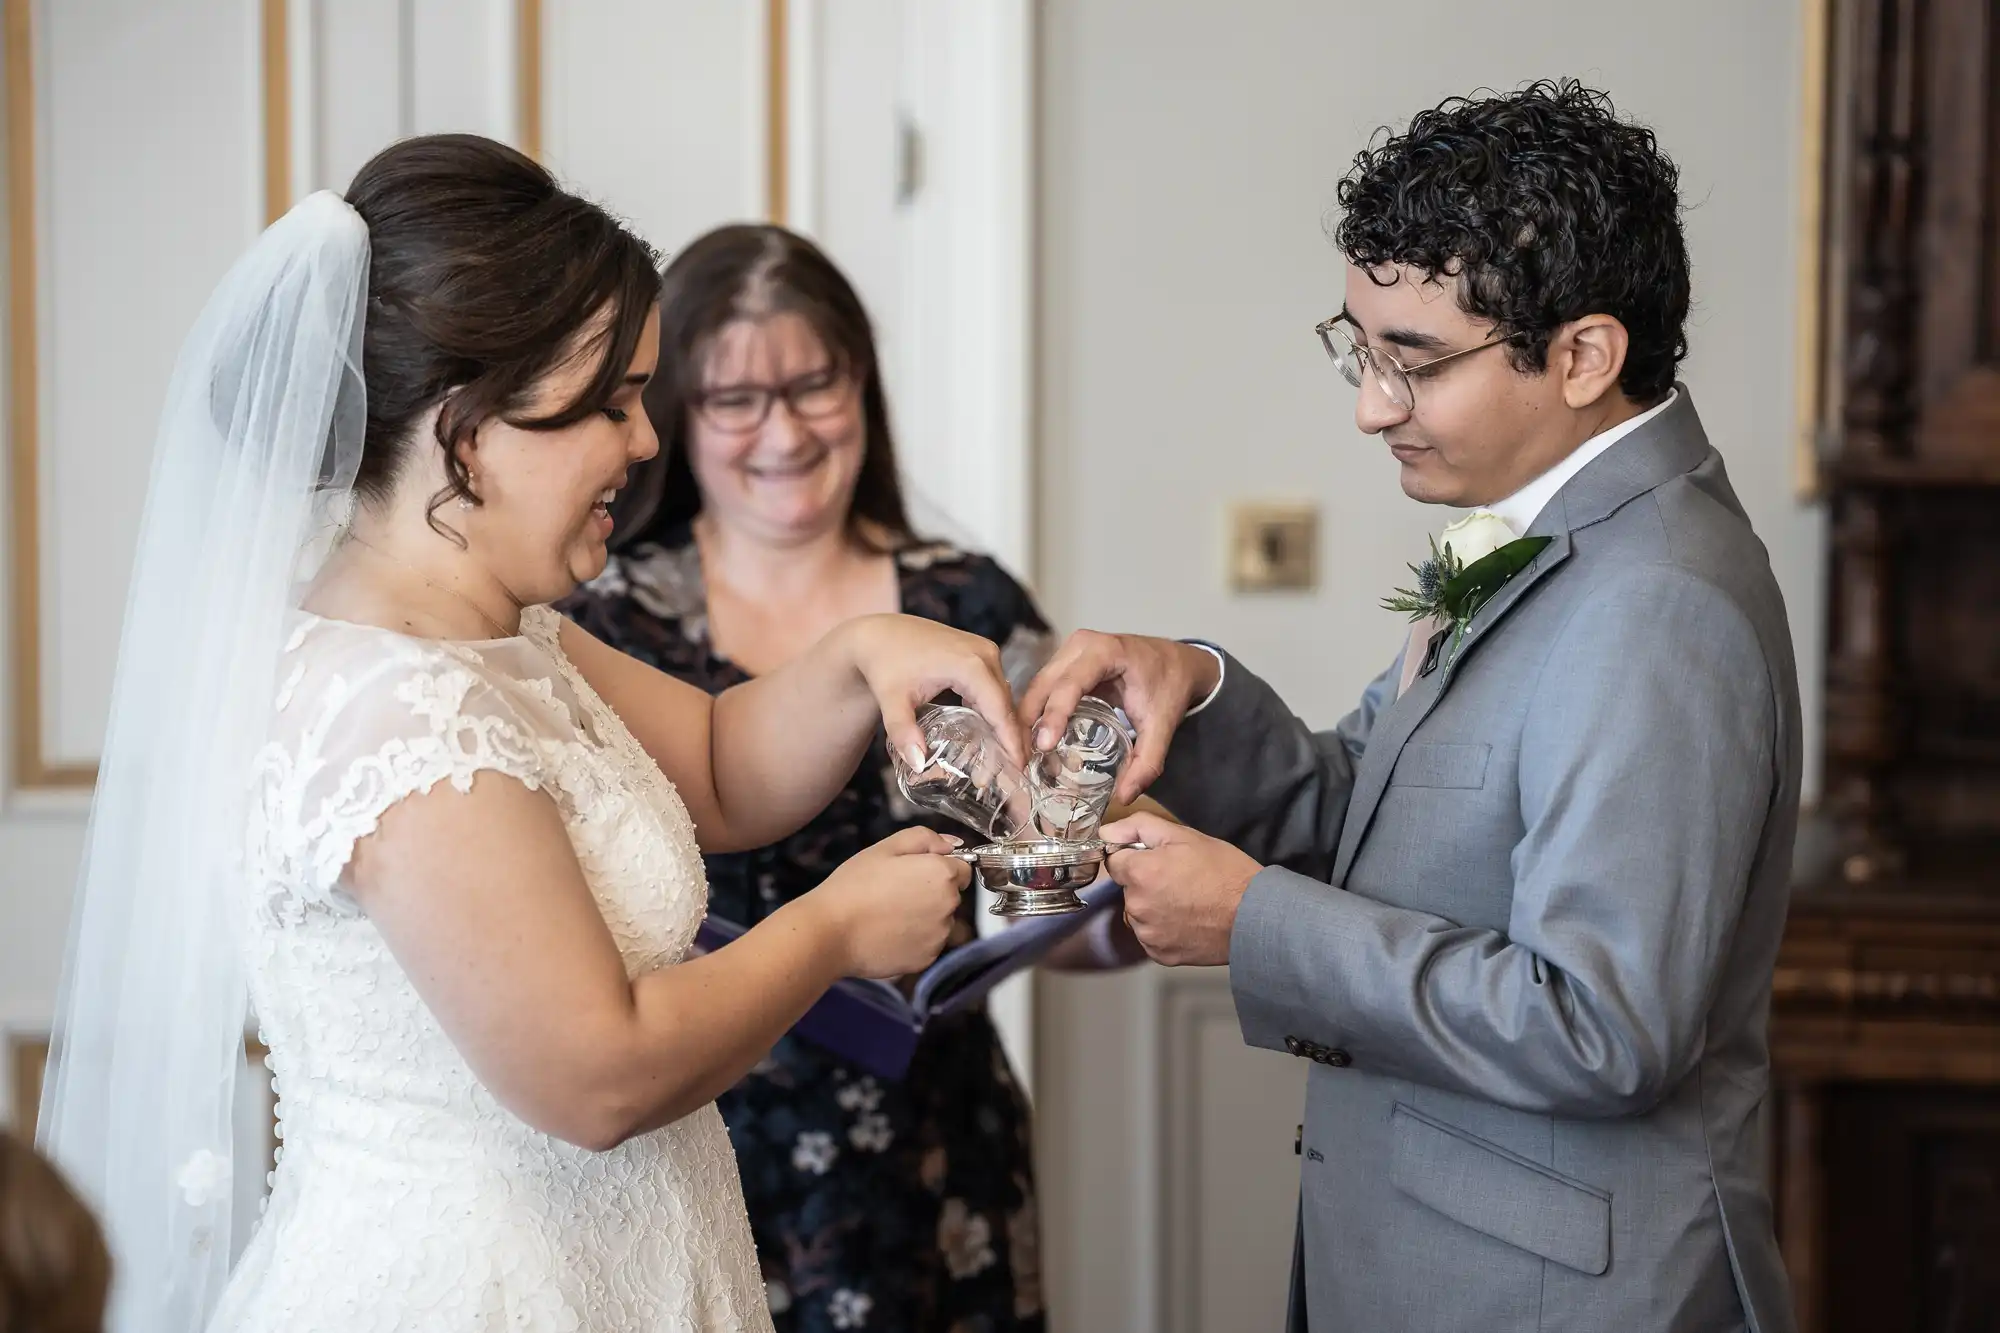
(1810, 370)
(285, 48)
(528, 76)
(31, 766)
(274, 46)
(27, 1059)
(27, 1069)
(1228, 1193)
(777, 110)
(1189, 1003)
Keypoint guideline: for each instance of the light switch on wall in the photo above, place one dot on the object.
(1274, 547)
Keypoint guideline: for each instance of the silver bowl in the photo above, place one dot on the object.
(1039, 877)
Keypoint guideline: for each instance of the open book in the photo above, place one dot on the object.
(873, 1025)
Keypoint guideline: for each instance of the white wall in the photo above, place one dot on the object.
(1189, 153)
(656, 108)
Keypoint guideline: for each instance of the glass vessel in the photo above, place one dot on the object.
(1041, 822)
(966, 774)
(1070, 784)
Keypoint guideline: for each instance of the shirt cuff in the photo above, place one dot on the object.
(1221, 673)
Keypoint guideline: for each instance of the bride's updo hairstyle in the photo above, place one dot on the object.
(484, 276)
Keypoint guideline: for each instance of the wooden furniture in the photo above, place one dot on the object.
(1885, 1036)
(1886, 1005)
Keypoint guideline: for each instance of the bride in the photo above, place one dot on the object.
(445, 845)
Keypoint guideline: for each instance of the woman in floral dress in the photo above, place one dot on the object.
(773, 513)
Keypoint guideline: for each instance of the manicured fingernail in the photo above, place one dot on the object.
(915, 754)
(953, 839)
(1045, 739)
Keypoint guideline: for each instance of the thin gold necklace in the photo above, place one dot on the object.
(500, 630)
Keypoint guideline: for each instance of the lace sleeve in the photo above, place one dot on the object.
(365, 719)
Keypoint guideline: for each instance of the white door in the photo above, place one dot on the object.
(908, 132)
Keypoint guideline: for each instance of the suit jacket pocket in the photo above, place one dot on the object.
(1499, 1193)
(1436, 764)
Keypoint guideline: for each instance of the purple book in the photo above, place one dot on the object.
(873, 1025)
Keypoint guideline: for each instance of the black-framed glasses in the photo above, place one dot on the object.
(741, 408)
(1350, 358)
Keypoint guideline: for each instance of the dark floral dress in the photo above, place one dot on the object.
(875, 1204)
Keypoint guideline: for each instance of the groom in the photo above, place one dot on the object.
(1519, 908)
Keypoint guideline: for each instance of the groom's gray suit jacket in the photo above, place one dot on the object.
(1523, 919)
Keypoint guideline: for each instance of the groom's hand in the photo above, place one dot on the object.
(1181, 894)
(1154, 680)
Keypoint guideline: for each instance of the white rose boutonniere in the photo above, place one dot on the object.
(1470, 561)
(1476, 536)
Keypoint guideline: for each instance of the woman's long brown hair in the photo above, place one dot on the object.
(731, 273)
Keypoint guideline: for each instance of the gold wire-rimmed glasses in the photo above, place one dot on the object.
(1350, 358)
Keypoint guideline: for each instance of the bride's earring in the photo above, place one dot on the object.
(465, 497)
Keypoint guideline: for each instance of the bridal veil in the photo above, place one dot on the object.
(252, 476)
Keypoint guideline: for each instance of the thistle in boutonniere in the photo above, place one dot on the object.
(1472, 561)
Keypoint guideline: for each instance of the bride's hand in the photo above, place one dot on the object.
(907, 661)
(889, 908)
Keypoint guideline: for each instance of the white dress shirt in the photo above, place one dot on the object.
(1518, 511)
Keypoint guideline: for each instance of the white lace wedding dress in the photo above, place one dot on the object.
(406, 1197)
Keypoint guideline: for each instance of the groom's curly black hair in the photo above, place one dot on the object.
(1546, 206)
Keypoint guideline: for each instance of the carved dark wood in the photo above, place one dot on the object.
(1862, 719)
(1885, 1024)
(1959, 1234)
(1913, 459)
(1915, 1209)
(1885, 1047)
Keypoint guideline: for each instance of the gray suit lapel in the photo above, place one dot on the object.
(1670, 445)
(1386, 742)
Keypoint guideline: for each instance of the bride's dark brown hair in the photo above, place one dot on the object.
(484, 275)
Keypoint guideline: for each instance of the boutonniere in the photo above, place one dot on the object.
(1473, 559)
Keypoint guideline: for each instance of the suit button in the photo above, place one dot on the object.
(1293, 1046)
(1339, 1059)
